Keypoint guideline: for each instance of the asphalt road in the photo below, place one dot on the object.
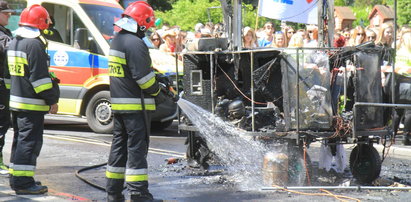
(70, 145)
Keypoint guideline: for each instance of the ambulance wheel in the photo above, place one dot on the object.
(365, 163)
(99, 114)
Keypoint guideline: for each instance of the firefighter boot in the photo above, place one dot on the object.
(138, 197)
(115, 198)
(33, 190)
(4, 170)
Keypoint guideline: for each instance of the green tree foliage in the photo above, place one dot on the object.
(340, 3)
(366, 3)
(404, 12)
(362, 15)
(187, 13)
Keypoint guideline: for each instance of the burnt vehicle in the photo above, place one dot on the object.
(295, 96)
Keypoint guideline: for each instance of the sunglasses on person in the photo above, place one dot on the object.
(156, 39)
(291, 32)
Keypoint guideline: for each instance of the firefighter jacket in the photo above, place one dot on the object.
(5, 38)
(131, 74)
(32, 88)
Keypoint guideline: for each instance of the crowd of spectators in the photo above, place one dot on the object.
(173, 39)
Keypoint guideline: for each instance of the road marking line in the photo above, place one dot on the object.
(67, 195)
(75, 140)
(151, 150)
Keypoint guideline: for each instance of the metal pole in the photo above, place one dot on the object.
(337, 188)
(177, 90)
(208, 14)
(331, 23)
(237, 17)
(252, 90)
(212, 81)
(395, 50)
(320, 6)
(298, 93)
(345, 83)
(370, 104)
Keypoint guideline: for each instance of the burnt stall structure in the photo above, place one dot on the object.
(295, 96)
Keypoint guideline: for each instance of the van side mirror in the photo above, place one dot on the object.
(81, 38)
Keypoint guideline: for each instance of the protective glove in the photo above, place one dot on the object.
(161, 97)
(176, 97)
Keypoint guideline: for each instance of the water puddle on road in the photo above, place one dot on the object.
(239, 153)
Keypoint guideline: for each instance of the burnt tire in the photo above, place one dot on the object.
(99, 114)
(365, 163)
(157, 125)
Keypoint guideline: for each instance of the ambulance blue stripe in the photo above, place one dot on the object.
(81, 59)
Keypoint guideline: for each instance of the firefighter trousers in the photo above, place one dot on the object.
(4, 114)
(128, 155)
(27, 143)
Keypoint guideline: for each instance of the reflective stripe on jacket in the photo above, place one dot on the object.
(131, 74)
(31, 87)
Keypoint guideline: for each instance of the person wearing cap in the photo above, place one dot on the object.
(5, 38)
(33, 93)
(169, 45)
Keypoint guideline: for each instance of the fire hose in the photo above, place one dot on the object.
(103, 164)
(88, 181)
(146, 124)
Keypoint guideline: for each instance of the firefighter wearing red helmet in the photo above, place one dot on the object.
(33, 93)
(134, 91)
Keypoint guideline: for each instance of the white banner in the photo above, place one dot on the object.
(301, 11)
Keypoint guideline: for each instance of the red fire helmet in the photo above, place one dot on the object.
(35, 16)
(142, 13)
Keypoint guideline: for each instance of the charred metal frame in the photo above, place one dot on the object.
(298, 133)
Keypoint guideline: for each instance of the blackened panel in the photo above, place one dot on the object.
(197, 62)
(368, 88)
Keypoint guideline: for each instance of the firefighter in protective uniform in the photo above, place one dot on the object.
(5, 38)
(33, 94)
(134, 90)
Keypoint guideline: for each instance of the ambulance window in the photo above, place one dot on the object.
(65, 24)
(88, 43)
(57, 31)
